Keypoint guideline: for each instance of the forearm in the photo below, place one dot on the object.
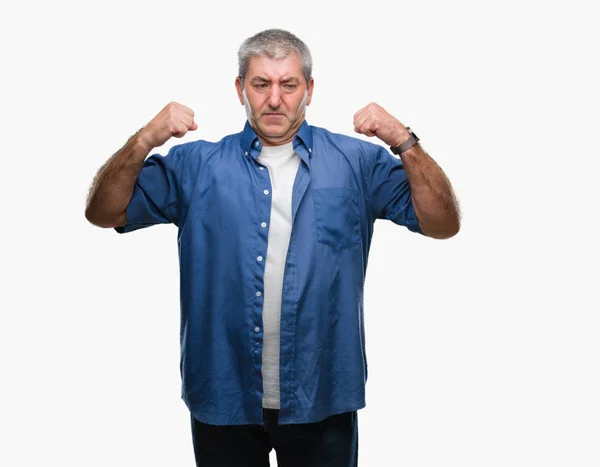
(432, 195)
(113, 185)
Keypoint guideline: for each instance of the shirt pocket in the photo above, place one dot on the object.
(337, 217)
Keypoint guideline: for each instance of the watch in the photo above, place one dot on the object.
(409, 143)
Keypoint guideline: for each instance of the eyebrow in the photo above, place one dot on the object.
(262, 79)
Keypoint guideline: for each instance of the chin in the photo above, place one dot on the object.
(273, 130)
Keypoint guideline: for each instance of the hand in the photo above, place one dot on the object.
(373, 120)
(174, 120)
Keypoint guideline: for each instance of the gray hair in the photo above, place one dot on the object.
(277, 44)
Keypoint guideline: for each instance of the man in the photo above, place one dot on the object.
(275, 225)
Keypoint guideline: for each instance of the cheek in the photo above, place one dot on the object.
(255, 100)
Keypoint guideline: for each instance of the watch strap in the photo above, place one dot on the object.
(409, 143)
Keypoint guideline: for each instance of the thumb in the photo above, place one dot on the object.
(194, 126)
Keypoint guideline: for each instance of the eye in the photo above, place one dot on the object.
(261, 85)
(290, 87)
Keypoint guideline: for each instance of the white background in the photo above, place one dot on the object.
(483, 349)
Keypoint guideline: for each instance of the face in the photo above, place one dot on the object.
(275, 94)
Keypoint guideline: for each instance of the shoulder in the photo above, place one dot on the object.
(194, 152)
(348, 144)
(193, 148)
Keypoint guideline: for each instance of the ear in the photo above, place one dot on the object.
(238, 87)
(311, 85)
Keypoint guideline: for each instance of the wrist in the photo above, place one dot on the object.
(406, 144)
(414, 152)
(401, 137)
(141, 142)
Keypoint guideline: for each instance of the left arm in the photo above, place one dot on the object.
(431, 193)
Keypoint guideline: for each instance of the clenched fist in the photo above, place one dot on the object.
(174, 120)
(373, 120)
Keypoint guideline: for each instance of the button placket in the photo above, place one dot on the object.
(264, 207)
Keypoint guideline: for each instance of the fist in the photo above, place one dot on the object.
(174, 120)
(373, 120)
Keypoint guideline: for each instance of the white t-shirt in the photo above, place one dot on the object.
(282, 163)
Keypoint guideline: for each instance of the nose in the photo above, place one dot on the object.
(274, 97)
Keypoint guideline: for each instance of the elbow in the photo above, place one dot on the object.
(451, 229)
(104, 221)
(442, 231)
(449, 233)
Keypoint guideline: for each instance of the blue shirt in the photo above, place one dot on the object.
(219, 197)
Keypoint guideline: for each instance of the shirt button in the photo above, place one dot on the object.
(256, 144)
(259, 259)
(260, 168)
(258, 294)
(263, 225)
(245, 154)
(309, 150)
(256, 329)
(256, 352)
(266, 192)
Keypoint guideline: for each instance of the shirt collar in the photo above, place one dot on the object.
(250, 141)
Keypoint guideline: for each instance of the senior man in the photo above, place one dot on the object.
(274, 229)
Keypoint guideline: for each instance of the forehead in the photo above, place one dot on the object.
(272, 68)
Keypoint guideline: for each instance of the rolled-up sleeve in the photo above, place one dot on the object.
(156, 194)
(390, 195)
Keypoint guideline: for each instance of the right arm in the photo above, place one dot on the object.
(114, 183)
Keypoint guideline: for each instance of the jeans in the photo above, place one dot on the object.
(332, 442)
